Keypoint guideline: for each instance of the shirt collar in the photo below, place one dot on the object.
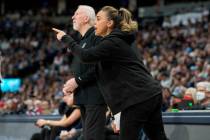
(89, 31)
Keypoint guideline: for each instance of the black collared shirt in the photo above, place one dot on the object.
(85, 75)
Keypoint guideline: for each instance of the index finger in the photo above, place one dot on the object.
(56, 30)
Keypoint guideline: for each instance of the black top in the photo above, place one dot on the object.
(88, 91)
(122, 76)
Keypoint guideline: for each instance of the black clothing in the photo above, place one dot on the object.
(85, 75)
(122, 76)
(126, 84)
(147, 116)
(93, 116)
(88, 95)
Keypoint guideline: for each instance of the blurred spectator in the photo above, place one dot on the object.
(67, 122)
(166, 99)
(202, 94)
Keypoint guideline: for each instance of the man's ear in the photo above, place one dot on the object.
(86, 19)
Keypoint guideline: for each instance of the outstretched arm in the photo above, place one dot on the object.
(64, 122)
(103, 51)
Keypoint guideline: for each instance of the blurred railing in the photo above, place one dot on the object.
(183, 125)
(171, 9)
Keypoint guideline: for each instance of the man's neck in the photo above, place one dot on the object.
(84, 29)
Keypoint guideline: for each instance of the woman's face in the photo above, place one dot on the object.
(102, 24)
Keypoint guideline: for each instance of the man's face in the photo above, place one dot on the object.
(68, 99)
(78, 19)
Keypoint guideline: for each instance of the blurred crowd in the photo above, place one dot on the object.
(177, 56)
(30, 51)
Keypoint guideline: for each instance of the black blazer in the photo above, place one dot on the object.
(88, 91)
(122, 76)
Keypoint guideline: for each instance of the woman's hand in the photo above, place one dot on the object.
(41, 122)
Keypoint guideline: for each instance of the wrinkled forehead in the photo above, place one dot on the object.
(80, 11)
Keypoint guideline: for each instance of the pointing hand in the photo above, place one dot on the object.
(59, 33)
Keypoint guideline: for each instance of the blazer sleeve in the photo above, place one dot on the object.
(86, 78)
(89, 76)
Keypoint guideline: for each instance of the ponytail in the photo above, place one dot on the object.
(127, 24)
(122, 18)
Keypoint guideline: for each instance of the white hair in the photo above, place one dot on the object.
(90, 12)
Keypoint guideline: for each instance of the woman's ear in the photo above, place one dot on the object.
(110, 24)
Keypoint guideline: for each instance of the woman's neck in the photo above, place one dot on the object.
(107, 32)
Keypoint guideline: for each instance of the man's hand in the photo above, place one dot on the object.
(115, 129)
(64, 135)
(59, 33)
(70, 86)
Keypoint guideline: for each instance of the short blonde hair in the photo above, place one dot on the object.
(90, 12)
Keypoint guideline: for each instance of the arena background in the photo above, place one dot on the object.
(173, 37)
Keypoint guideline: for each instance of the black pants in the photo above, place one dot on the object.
(93, 121)
(146, 116)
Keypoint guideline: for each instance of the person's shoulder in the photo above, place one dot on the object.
(95, 36)
(95, 39)
(121, 36)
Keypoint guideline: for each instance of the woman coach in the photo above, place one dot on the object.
(126, 84)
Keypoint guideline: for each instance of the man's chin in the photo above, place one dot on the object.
(75, 28)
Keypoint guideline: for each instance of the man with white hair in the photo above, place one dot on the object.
(84, 87)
